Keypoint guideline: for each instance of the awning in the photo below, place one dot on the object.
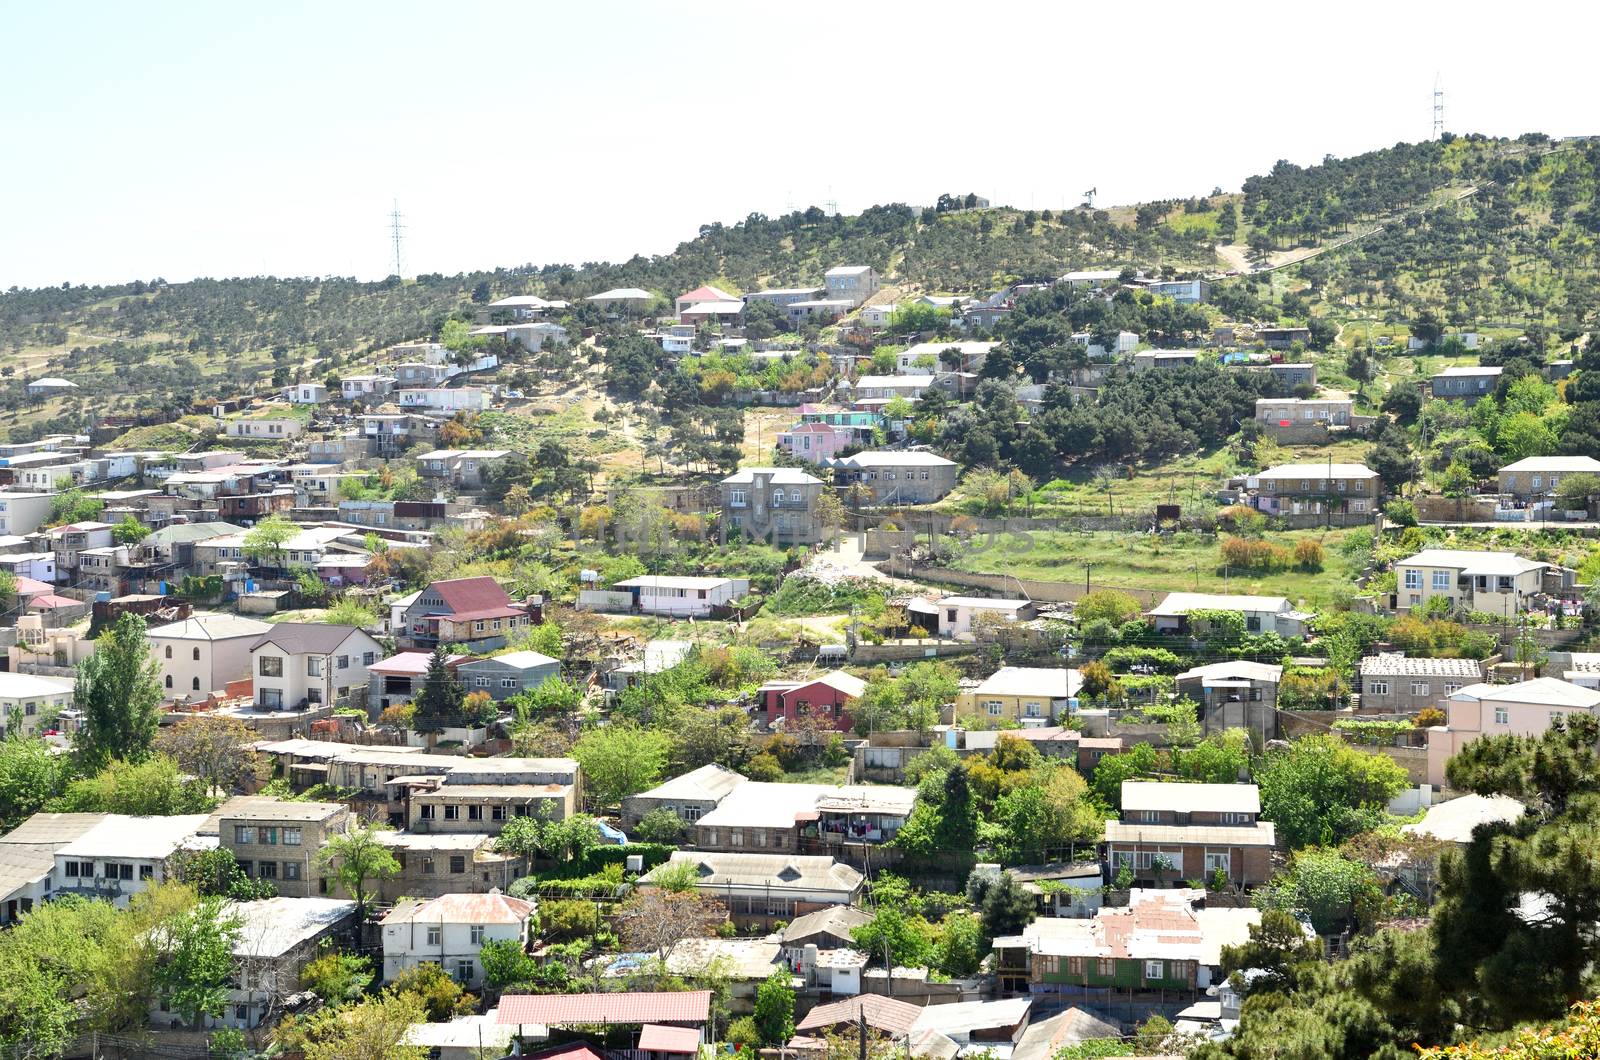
(655, 1038)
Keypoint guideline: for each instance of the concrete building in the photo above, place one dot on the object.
(32, 701)
(300, 665)
(265, 428)
(279, 841)
(1525, 709)
(23, 512)
(706, 293)
(900, 476)
(1173, 832)
(1262, 614)
(1465, 383)
(955, 616)
(924, 358)
(28, 859)
(503, 676)
(688, 797)
(1497, 583)
(1235, 694)
(678, 596)
(120, 856)
(204, 653)
(1393, 683)
(772, 503)
(1164, 360)
(765, 888)
(852, 283)
(463, 468)
(1299, 412)
(449, 931)
(825, 700)
(1296, 489)
(445, 399)
(1536, 477)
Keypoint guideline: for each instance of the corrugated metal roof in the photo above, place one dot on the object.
(687, 1006)
(658, 1039)
(881, 1013)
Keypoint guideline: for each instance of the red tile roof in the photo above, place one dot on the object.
(690, 1006)
(882, 1013)
(471, 594)
(485, 612)
(658, 1039)
(568, 1051)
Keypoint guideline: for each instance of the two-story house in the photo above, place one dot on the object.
(1301, 412)
(462, 468)
(449, 931)
(397, 680)
(1173, 832)
(278, 840)
(203, 653)
(367, 386)
(392, 433)
(776, 504)
(1498, 583)
(762, 888)
(852, 283)
(474, 612)
(1527, 708)
(121, 856)
(900, 476)
(304, 665)
(1236, 694)
(1295, 489)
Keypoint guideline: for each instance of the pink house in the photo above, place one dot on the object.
(815, 442)
(1525, 709)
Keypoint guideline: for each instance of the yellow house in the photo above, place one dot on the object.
(1028, 695)
(1497, 582)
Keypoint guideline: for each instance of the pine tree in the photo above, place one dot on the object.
(442, 696)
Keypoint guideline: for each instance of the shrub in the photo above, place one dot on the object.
(1110, 605)
(1242, 520)
(1428, 717)
(660, 825)
(763, 767)
(1159, 659)
(1400, 513)
(1308, 555)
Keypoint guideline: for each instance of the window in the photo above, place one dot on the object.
(169, 651)
(427, 812)
(1413, 579)
(1155, 969)
(474, 813)
(197, 655)
(1106, 966)
(735, 838)
(1218, 860)
(994, 707)
(1502, 716)
(194, 684)
(458, 864)
(1378, 688)
(313, 666)
(475, 934)
(243, 834)
(344, 662)
(269, 836)
(435, 935)
(269, 870)
(169, 680)
(271, 666)
(736, 498)
(291, 870)
(1236, 818)
(464, 969)
(1441, 579)
(73, 869)
(497, 813)
(368, 658)
(508, 682)
(147, 872)
(452, 813)
(427, 866)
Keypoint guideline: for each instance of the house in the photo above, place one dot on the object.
(900, 476)
(23, 512)
(888, 1016)
(743, 963)
(851, 283)
(627, 297)
(854, 822)
(503, 676)
(463, 468)
(1063, 888)
(424, 373)
(1164, 941)
(976, 1024)
(1298, 412)
(877, 316)
(1181, 291)
(824, 699)
(366, 387)
(688, 797)
(203, 653)
(1307, 488)
(786, 296)
(532, 335)
(1047, 1037)
(519, 307)
(1536, 477)
(392, 433)
(1262, 614)
(50, 386)
(277, 938)
(954, 616)
(776, 504)
(433, 864)
(1283, 338)
(28, 859)
(1196, 829)
(825, 929)
(1236, 694)
(1454, 820)
(449, 931)
(1465, 382)
(278, 840)
(816, 442)
(306, 394)
(34, 701)
(1097, 350)
(1497, 583)
(1393, 683)
(1164, 360)
(121, 856)
(679, 596)
(304, 665)
(1287, 377)
(395, 681)
(653, 1012)
(887, 387)
(932, 357)
(729, 312)
(1090, 277)
(764, 888)
(826, 310)
(706, 293)
(677, 344)
(445, 399)
(658, 657)
(1027, 695)
(473, 1037)
(265, 427)
(1525, 709)
(474, 612)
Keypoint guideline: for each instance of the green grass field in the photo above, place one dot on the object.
(1182, 562)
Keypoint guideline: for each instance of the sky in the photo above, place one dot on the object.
(181, 139)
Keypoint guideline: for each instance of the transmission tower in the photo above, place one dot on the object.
(395, 236)
(1438, 107)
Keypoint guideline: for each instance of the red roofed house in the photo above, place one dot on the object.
(702, 294)
(475, 612)
(685, 1008)
(824, 697)
(450, 930)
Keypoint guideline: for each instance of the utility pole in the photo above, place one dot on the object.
(395, 230)
(1438, 107)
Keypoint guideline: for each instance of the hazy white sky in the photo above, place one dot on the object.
(213, 139)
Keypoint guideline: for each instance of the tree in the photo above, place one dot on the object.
(654, 919)
(31, 774)
(505, 962)
(194, 959)
(1277, 944)
(217, 750)
(661, 825)
(621, 760)
(356, 859)
(1003, 906)
(153, 787)
(442, 998)
(1323, 884)
(1577, 1036)
(545, 638)
(1577, 491)
(264, 542)
(215, 872)
(338, 977)
(119, 690)
(130, 531)
(537, 836)
(441, 698)
(774, 1009)
(553, 694)
(960, 950)
(896, 937)
(372, 1030)
(1321, 790)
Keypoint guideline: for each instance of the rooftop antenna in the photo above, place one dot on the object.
(1438, 107)
(395, 230)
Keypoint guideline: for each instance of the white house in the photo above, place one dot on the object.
(450, 930)
(955, 615)
(121, 855)
(31, 699)
(629, 297)
(272, 428)
(203, 653)
(353, 387)
(929, 357)
(23, 512)
(50, 386)
(447, 399)
(303, 665)
(306, 393)
(1262, 614)
(1125, 342)
(679, 597)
